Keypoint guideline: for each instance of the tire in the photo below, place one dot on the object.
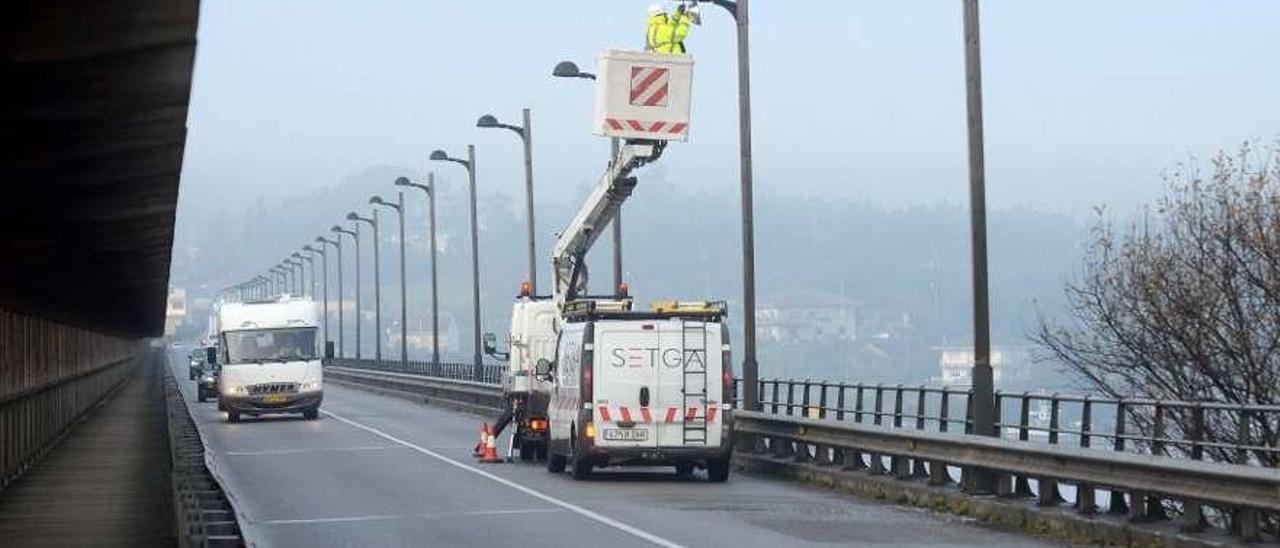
(542, 451)
(555, 463)
(581, 465)
(221, 406)
(233, 416)
(684, 469)
(311, 413)
(718, 470)
(200, 397)
(528, 451)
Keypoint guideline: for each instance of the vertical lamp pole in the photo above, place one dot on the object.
(355, 236)
(430, 189)
(526, 136)
(568, 69)
(324, 282)
(404, 302)
(470, 164)
(308, 289)
(337, 244)
(983, 401)
(750, 367)
(377, 283)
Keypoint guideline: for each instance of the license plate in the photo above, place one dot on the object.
(625, 434)
(275, 398)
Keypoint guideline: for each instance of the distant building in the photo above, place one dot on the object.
(1009, 365)
(806, 315)
(175, 311)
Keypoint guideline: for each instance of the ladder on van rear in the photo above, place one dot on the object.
(694, 384)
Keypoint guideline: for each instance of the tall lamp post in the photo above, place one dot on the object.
(377, 282)
(337, 244)
(309, 284)
(404, 301)
(355, 236)
(470, 164)
(750, 367)
(301, 277)
(429, 188)
(569, 69)
(526, 136)
(983, 402)
(324, 284)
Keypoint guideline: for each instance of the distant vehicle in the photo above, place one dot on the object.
(641, 388)
(533, 338)
(268, 358)
(207, 383)
(195, 362)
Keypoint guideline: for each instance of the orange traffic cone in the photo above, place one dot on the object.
(490, 453)
(479, 450)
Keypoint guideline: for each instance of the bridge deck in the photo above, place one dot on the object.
(106, 483)
(383, 471)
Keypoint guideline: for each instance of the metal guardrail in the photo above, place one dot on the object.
(202, 514)
(491, 373)
(1217, 432)
(468, 395)
(1205, 493)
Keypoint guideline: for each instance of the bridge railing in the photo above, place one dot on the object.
(491, 373)
(1218, 432)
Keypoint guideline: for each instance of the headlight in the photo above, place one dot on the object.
(235, 389)
(207, 378)
(310, 386)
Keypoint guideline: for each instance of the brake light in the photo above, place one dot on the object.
(727, 394)
(538, 424)
(590, 430)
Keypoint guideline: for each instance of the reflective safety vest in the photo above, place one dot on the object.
(666, 34)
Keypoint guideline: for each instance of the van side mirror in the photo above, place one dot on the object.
(328, 350)
(490, 344)
(543, 369)
(211, 354)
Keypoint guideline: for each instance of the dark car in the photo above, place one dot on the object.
(207, 384)
(196, 363)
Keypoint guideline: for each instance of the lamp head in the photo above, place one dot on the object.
(352, 216)
(487, 121)
(566, 69)
(376, 200)
(439, 155)
(403, 181)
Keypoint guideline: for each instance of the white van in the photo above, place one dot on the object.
(268, 357)
(641, 388)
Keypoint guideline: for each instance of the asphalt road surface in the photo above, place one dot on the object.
(383, 471)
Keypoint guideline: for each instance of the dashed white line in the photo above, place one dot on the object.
(594, 516)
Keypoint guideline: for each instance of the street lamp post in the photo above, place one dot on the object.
(470, 164)
(308, 289)
(750, 367)
(337, 244)
(404, 301)
(569, 69)
(429, 188)
(983, 401)
(355, 236)
(324, 283)
(377, 282)
(526, 136)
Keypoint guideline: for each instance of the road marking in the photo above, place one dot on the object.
(313, 450)
(348, 519)
(599, 518)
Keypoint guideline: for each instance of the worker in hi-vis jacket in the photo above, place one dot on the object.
(666, 32)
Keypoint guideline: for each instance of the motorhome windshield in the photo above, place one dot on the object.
(259, 345)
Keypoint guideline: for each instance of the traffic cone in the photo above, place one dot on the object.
(490, 454)
(479, 450)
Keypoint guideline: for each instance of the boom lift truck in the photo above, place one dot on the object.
(655, 385)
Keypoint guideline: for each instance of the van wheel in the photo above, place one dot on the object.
(581, 464)
(718, 470)
(311, 413)
(221, 406)
(555, 463)
(233, 416)
(527, 451)
(684, 469)
(542, 451)
(200, 397)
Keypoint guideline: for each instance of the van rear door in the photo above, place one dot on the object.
(627, 358)
(689, 384)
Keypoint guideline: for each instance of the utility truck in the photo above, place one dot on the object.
(268, 358)
(620, 386)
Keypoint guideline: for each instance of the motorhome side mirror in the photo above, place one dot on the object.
(211, 354)
(328, 350)
(490, 344)
(542, 368)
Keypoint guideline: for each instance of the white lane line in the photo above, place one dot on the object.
(347, 519)
(312, 450)
(599, 518)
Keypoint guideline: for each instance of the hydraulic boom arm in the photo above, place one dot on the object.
(601, 207)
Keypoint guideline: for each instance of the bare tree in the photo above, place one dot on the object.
(1184, 303)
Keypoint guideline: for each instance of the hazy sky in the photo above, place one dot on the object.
(1086, 100)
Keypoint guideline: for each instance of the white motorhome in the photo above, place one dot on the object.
(268, 356)
(641, 388)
